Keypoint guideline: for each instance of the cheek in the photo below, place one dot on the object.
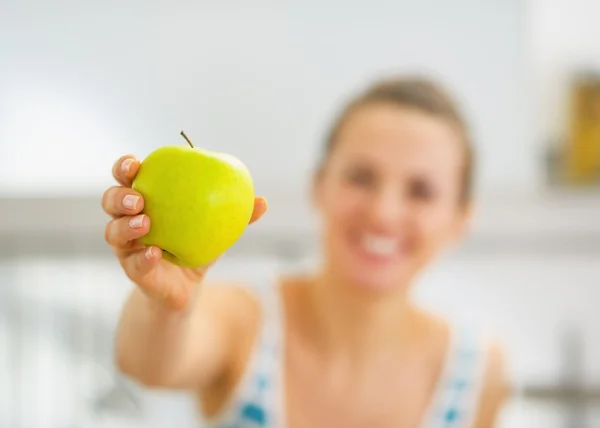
(435, 226)
(343, 205)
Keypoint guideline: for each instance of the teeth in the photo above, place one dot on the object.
(379, 245)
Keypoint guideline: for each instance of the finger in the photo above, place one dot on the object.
(120, 232)
(138, 267)
(260, 207)
(119, 201)
(140, 263)
(125, 169)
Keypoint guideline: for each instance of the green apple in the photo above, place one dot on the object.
(199, 202)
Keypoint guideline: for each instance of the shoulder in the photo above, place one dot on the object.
(488, 369)
(495, 387)
(228, 294)
(242, 309)
(232, 314)
(434, 329)
(235, 304)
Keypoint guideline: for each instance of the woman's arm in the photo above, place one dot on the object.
(189, 348)
(173, 332)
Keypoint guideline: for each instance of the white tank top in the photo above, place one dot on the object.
(257, 401)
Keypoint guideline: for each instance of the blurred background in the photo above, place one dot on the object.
(82, 83)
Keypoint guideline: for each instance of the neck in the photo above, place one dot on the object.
(355, 321)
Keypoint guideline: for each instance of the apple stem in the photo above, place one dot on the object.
(187, 139)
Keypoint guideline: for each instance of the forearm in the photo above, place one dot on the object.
(152, 341)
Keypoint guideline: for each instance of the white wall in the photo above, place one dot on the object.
(83, 83)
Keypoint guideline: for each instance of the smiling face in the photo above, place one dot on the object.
(390, 194)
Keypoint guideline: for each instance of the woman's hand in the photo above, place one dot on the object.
(164, 282)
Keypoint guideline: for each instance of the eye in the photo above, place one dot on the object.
(422, 189)
(361, 176)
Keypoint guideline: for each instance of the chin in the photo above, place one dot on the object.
(376, 281)
(379, 277)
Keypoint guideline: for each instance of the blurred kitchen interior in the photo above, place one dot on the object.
(83, 83)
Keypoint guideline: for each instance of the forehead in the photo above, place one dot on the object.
(397, 136)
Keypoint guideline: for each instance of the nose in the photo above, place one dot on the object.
(387, 207)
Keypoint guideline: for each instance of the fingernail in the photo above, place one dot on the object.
(148, 254)
(126, 165)
(130, 201)
(136, 222)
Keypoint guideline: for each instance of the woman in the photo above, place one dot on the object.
(343, 347)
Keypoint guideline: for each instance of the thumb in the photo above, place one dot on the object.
(260, 207)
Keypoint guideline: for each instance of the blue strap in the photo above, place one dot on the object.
(461, 387)
(258, 394)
